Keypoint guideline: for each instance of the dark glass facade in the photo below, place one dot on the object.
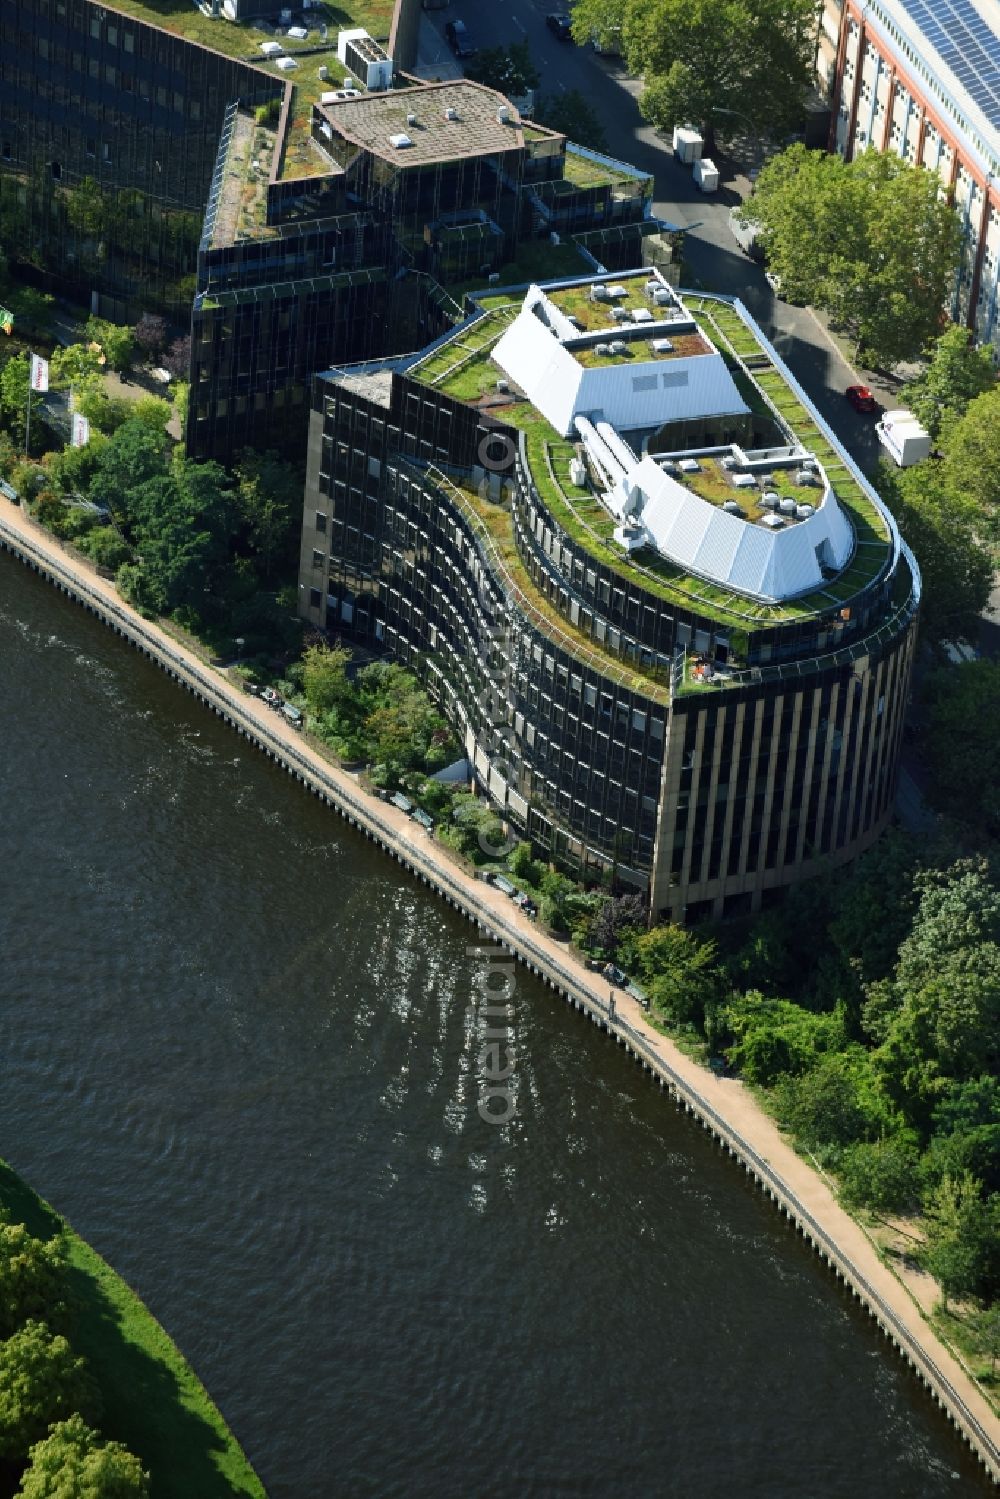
(559, 671)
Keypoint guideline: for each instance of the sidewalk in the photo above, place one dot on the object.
(725, 1101)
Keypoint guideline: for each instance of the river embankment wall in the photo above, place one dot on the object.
(856, 1266)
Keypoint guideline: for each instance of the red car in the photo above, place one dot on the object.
(861, 399)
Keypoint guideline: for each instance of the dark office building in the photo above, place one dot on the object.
(250, 196)
(671, 622)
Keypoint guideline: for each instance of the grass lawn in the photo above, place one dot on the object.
(154, 1402)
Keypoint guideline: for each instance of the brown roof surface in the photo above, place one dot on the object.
(370, 120)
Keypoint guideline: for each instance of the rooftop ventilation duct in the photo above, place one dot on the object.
(451, 113)
(400, 141)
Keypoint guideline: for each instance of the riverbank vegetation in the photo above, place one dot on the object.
(96, 1402)
(866, 1012)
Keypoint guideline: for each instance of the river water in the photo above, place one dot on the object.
(239, 1050)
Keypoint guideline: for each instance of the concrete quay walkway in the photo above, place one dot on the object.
(723, 1105)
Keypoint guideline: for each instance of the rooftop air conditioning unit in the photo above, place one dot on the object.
(411, 118)
(618, 346)
(663, 346)
(787, 505)
(731, 508)
(400, 141)
(602, 349)
(599, 293)
(805, 476)
(662, 298)
(451, 113)
(803, 512)
(652, 287)
(324, 73)
(621, 315)
(769, 501)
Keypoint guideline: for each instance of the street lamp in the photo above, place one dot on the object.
(240, 643)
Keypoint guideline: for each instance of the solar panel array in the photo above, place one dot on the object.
(967, 45)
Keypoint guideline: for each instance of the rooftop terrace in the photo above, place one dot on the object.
(242, 39)
(462, 368)
(452, 120)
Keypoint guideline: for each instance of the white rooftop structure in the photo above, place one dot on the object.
(539, 353)
(776, 557)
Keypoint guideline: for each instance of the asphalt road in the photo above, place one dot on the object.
(715, 260)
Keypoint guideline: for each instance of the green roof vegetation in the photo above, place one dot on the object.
(582, 172)
(494, 525)
(462, 368)
(242, 39)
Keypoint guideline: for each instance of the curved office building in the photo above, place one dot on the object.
(671, 620)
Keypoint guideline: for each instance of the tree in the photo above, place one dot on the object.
(134, 454)
(115, 341)
(14, 391)
(150, 333)
(269, 502)
(963, 1239)
(681, 973)
(573, 116)
(962, 741)
(324, 677)
(972, 458)
(74, 365)
(41, 1381)
(615, 916)
(957, 372)
(942, 527)
(509, 70)
(523, 866)
(774, 1036)
(72, 1462)
(881, 1175)
(708, 61)
(32, 1279)
(177, 359)
(870, 240)
(827, 1105)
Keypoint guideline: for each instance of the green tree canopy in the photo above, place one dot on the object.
(962, 741)
(772, 1037)
(41, 1381)
(870, 240)
(831, 1103)
(509, 70)
(712, 60)
(574, 116)
(972, 458)
(324, 677)
(32, 1279)
(943, 528)
(269, 505)
(881, 1175)
(116, 342)
(72, 1462)
(963, 1238)
(957, 372)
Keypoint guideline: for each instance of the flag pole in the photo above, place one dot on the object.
(27, 415)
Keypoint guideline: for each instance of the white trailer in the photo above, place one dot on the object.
(688, 144)
(903, 438)
(706, 175)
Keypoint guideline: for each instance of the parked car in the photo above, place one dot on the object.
(861, 398)
(459, 39)
(558, 23)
